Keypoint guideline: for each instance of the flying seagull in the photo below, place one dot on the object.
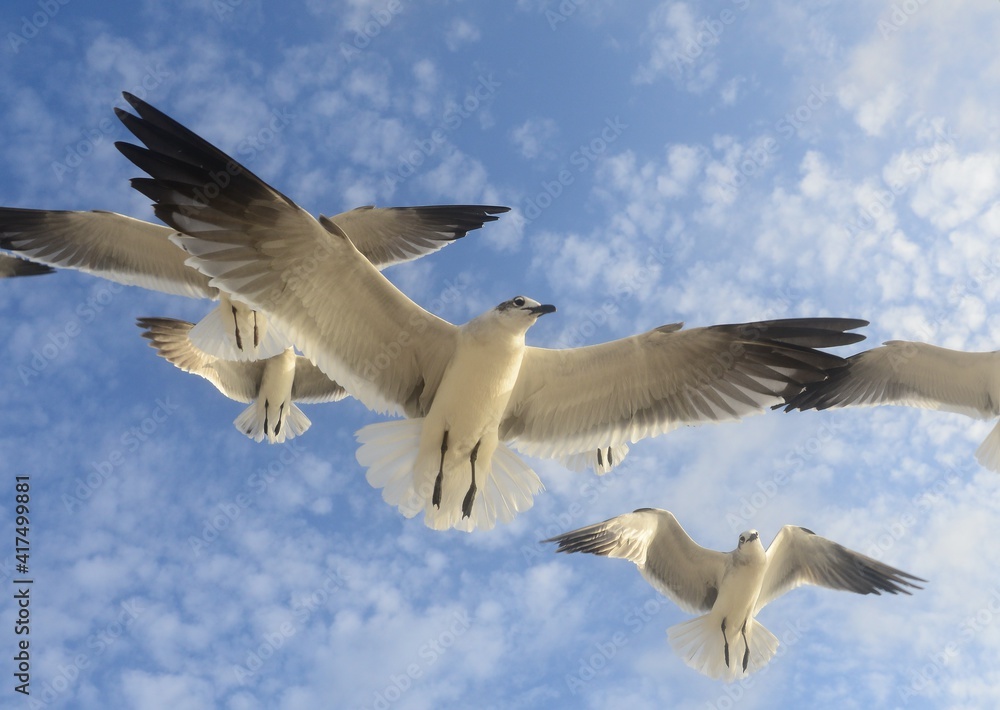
(137, 253)
(271, 385)
(468, 391)
(727, 642)
(916, 375)
(11, 266)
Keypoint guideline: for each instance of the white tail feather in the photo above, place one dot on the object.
(251, 422)
(214, 335)
(700, 643)
(389, 452)
(600, 463)
(988, 453)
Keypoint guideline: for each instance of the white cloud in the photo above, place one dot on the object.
(532, 137)
(459, 33)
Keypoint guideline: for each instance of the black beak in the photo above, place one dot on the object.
(542, 309)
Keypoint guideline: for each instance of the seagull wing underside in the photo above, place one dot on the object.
(115, 247)
(238, 380)
(798, 556)
(915, 375)
(677, 566)
(390, 235)
(581, 399)
(312, 386)
(306, 275)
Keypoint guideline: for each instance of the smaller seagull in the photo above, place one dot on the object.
(11, 266)
(916, 375)
(272, 385)
(727, 642)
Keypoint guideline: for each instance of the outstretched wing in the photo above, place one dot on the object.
(798, 556)
(677, 566)
(115, 247)
(390, 235)
(583, 399)
(911, 374)
(238, 380)
(305, 274)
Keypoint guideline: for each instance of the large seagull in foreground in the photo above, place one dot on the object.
(916, 375)
(468, 391)
(729, 588)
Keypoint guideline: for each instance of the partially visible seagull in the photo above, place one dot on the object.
(916, 375)
(727, 642)
(11, 266)
(137, 253)
(467, 390)
(272, 385)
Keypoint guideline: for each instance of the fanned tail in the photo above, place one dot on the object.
(988, 453)
(389, 451)
(251, 422)
(215, 334)
(702, 646)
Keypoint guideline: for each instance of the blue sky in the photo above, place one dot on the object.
(706, 162)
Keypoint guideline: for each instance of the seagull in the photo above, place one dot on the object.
(272, 385)
(138, 253)
(727, 642)
(469, 392)
(11, 266)
(916, 375)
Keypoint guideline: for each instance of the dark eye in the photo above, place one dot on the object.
(742, 539)
(518, 301)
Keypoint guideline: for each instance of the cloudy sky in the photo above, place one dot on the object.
(701, 162)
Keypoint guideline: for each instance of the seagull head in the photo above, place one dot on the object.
(522, 310)
(748, 536)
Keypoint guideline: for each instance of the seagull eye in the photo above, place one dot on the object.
(518, 301)
(742, 539)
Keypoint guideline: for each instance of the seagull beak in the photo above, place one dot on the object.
(542, 309)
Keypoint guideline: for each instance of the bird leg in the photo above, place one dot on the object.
(277, 427)
(746, 653)
(256, 334)
(471, 495)
(726, 642)
(436, 498)
(236, 327)
(266, 410)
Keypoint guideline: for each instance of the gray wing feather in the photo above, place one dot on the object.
(798, 556)
(677, 566)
